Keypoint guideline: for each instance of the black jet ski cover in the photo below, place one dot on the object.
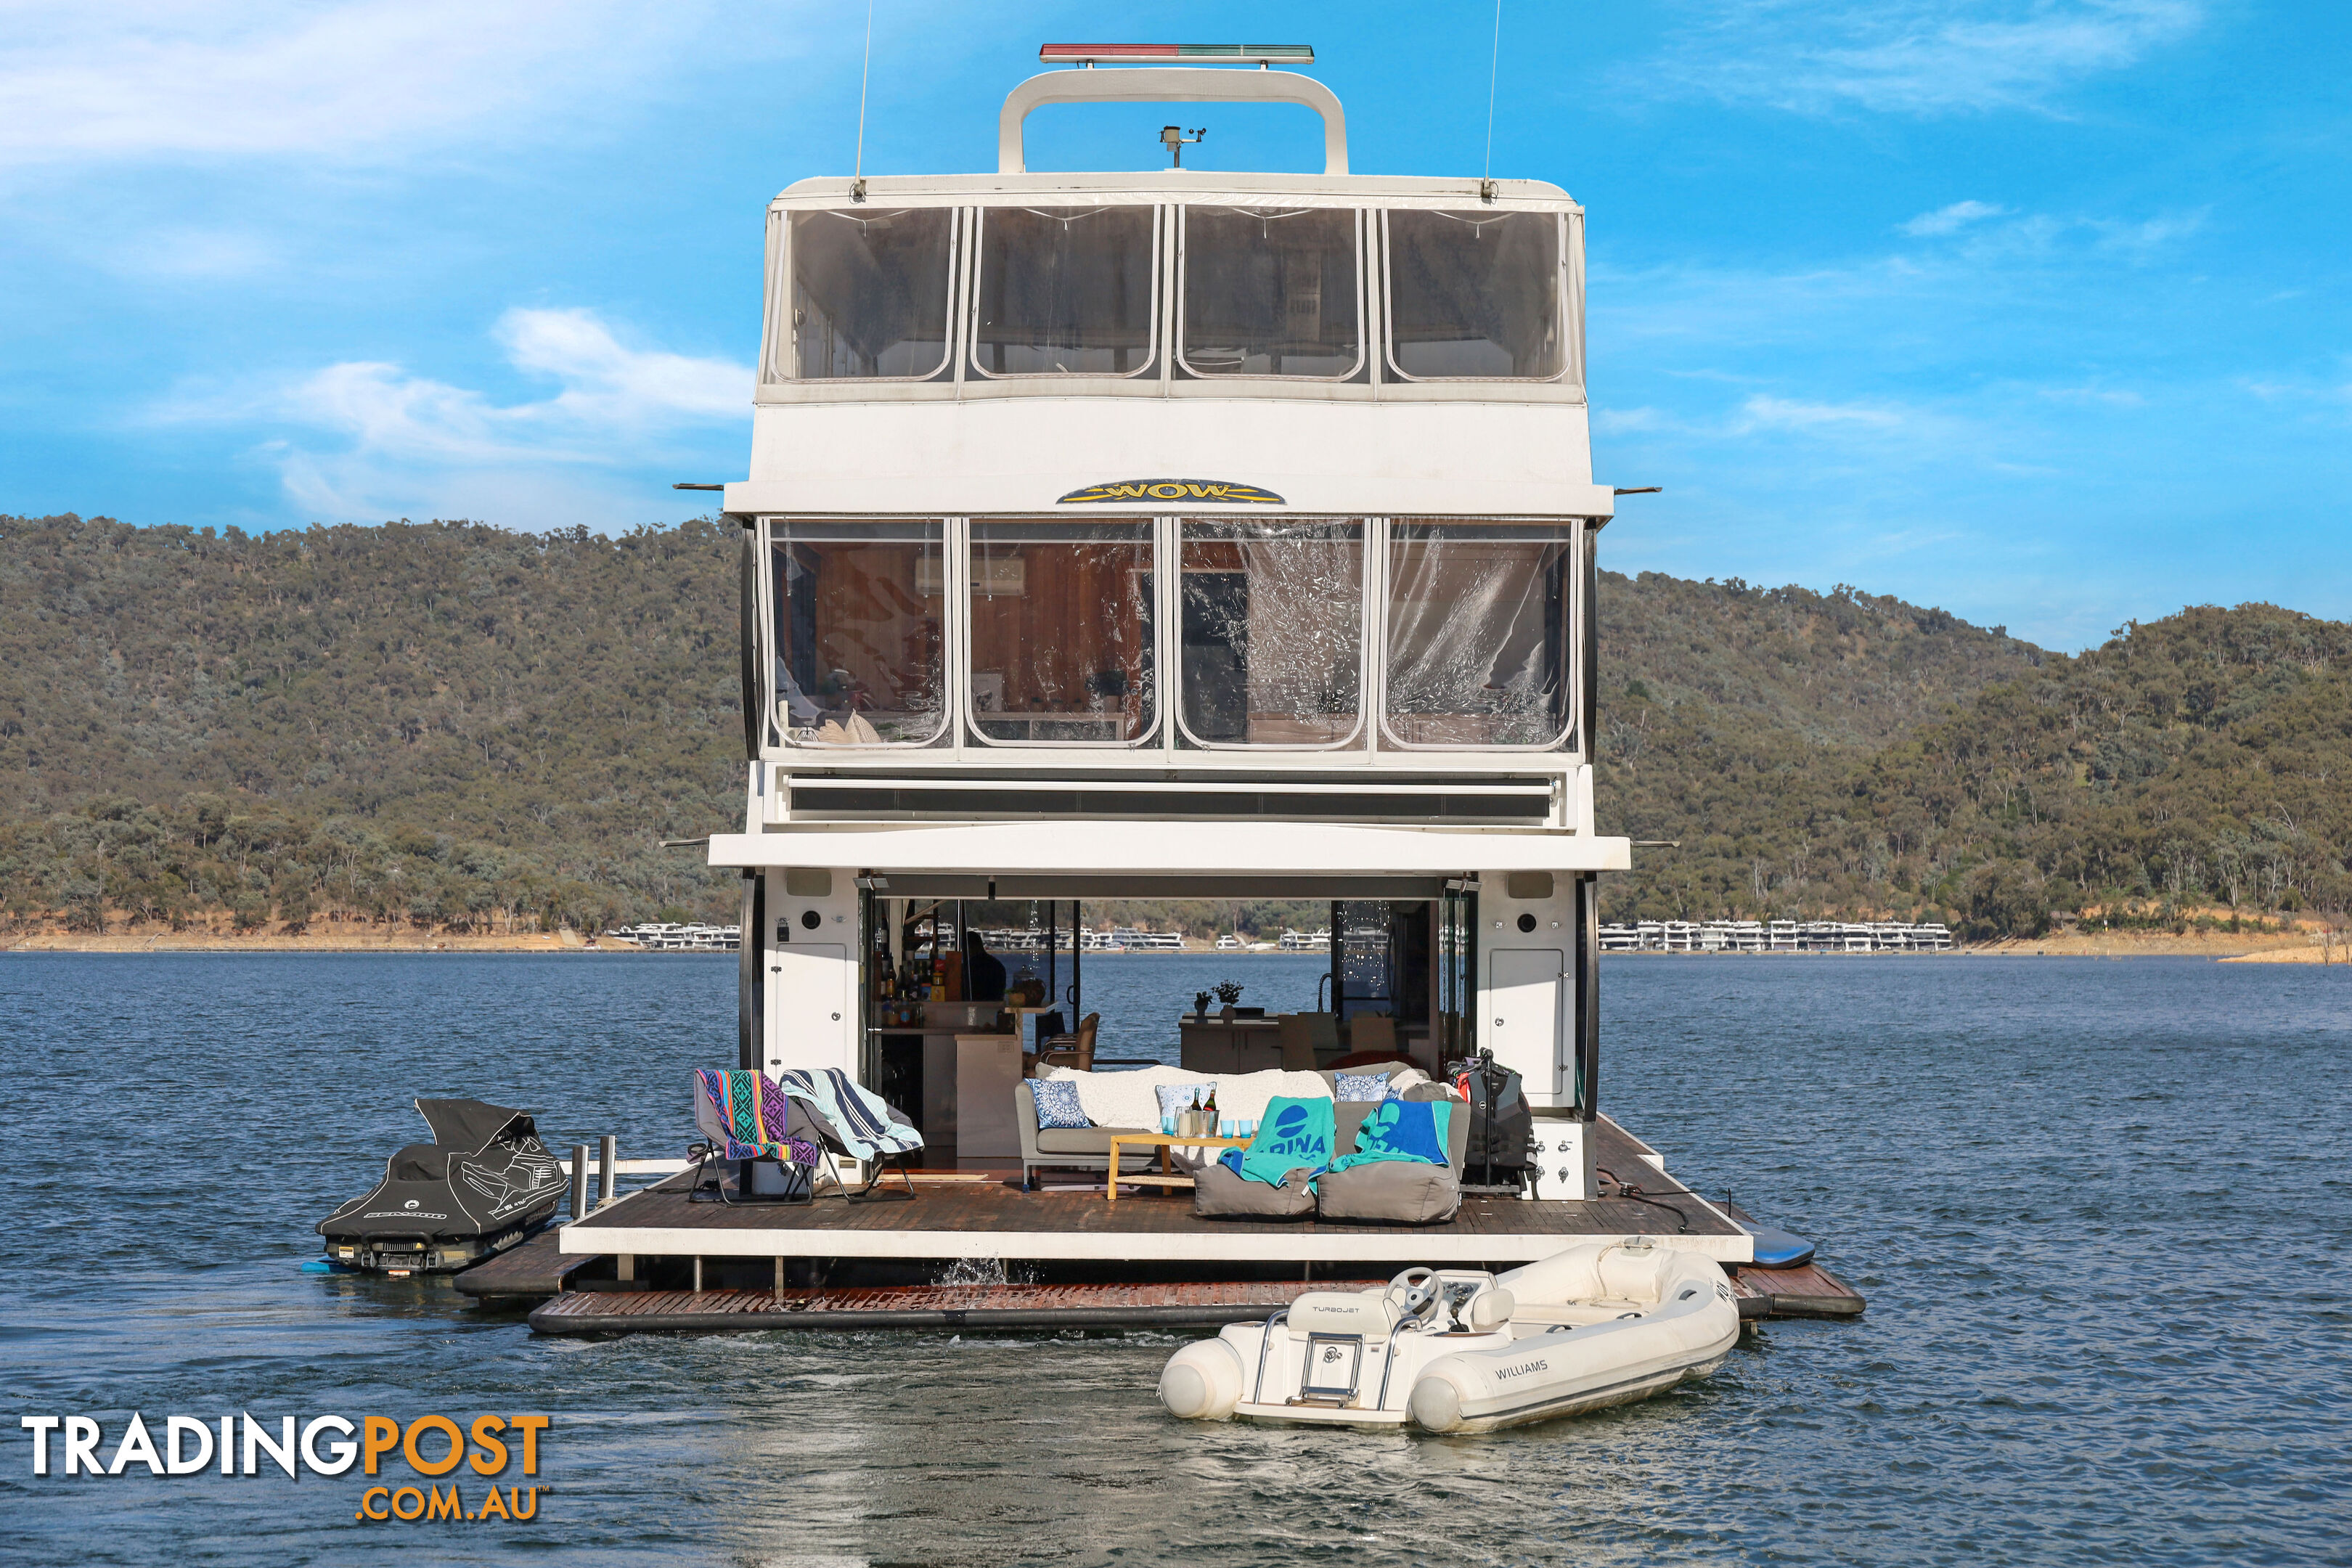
(485, 1170)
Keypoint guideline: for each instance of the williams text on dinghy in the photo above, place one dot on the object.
(1464, 1351)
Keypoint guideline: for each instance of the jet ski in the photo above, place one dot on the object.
(484, 1184)
(1463, 1351)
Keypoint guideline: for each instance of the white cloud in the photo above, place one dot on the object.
(1914, 56)
(1951, 219)
(412, 445)
(1794, 413)
(358, 78)
(2150, 233)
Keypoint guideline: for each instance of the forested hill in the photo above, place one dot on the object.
(457, 724)
(2196, 765)
(442, 721)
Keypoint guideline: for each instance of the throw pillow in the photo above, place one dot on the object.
(1175, 1098)
(1057, 1104)
(1361, 1086)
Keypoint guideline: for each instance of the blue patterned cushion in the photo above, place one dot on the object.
(1359, 1086)
(1057, 1104)
(1176, 1098)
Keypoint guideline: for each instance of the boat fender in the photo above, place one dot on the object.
(1203, 1382)
(1436, 1404)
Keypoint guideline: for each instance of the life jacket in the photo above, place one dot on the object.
(1502, 1124)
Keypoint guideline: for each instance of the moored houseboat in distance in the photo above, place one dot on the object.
(1169, 534)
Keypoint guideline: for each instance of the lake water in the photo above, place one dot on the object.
(2099, 1208)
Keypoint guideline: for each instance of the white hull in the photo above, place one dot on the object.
(1460, 1352)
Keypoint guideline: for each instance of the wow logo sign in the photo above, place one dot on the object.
(1216, 492)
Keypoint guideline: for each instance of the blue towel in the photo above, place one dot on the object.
(1413, 1129)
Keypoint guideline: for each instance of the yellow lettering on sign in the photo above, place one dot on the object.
(382, 1435)
(447, 1463)
(495, 1508)
(531, 1427)
(445, 1506)
(490, 1456)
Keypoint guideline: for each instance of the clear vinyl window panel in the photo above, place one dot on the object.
(1271, 292)
(861, 632)
(1271, 633)
(871, 294)
(1065, 290)
(1476, 296)
(1479, 636)
(1062, 630)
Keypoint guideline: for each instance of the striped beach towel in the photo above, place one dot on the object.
(856, 1115)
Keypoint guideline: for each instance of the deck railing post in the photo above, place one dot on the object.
(608, 1170)
(579, 1180)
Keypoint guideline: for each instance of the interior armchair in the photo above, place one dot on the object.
(1075, 1050)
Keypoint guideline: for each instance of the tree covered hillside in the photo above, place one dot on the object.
(442, 721)
(2193, 762)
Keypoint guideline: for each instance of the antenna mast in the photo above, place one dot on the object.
(1494, 70)
(857, 174)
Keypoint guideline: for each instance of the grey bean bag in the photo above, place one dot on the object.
(1396, 1192)
(1218, 1193)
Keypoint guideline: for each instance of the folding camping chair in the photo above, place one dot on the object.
(855, 1124)
(744, 1118)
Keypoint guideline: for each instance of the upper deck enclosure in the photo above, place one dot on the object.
(1184, 468)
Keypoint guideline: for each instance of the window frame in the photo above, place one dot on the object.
(1152, 365)
(771, 526)
(1567, 741)
(784, 362)
(1563, 300)
(1153, 734)
(1363, 314)
(1357, 739)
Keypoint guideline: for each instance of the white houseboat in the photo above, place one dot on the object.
(1172, 534)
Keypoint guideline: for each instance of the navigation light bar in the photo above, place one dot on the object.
(1137, 54)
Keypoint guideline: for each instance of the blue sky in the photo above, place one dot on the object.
(2036, 309)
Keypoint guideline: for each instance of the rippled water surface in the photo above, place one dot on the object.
(2099, 1208)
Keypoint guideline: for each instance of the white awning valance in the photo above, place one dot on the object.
(1257, 850)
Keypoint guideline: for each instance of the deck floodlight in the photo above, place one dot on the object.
(1259, 55)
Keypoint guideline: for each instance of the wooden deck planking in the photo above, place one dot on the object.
(1205, 1304)
(537, 1268)
(1808, 1290)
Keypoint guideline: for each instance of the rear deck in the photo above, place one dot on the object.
(995, 1220)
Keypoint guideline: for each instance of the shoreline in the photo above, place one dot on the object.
(2294, 948)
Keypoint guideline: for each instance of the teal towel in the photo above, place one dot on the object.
(1402, 1129)
(1293, 1132)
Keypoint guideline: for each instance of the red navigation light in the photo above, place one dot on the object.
(1221, 54)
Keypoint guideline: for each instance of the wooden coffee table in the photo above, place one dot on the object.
(1167, 1142)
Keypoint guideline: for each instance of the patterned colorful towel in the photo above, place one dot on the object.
(855, 1114)
(749, 1115)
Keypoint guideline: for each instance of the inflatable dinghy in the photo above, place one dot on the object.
(1463, 1351)
(484, 1184)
